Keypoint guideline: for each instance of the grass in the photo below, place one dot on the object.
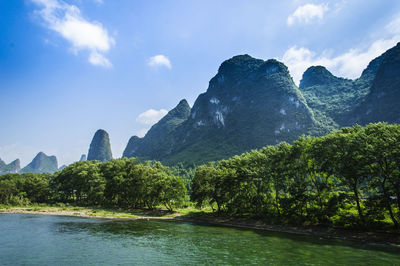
(62, 209)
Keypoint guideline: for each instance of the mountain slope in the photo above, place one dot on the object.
(382, 103)
(332, 98)
(41, 164)
(250, 103)
(11, 168)
(159, 139)
(373, 97)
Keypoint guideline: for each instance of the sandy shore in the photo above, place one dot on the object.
(85, 215)
(378, 238)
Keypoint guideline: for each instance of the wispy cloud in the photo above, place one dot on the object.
(99, 2)
(159, 61)
(142, 132)
(349, 64)
(68, 21)
(307, 13)
(151, 116)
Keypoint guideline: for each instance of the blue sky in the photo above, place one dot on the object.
(68, 68)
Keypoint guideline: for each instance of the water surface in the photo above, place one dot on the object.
(56, 240)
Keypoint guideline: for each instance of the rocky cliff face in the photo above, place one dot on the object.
(41, 164)
(100, 148)
(11, 168)
(250, 103)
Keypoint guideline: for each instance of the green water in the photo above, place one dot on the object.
(52, 240)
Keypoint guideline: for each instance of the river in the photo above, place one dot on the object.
(56, 240)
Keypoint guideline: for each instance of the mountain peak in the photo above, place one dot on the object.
(159, 132)
(239, 63)
(316, 75)
(16, 162)
(41, 155)
(275, 66)
(11, 168)
(41, 164)
(83, 158)
(100, 148)
(182, 110)
(382, 103)
(246, 63)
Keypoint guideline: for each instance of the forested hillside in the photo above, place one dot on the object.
(251, 103)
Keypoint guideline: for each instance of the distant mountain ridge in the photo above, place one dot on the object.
(41, 164)
(251, 103)
(11, 168)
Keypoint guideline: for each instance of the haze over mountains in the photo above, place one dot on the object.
(251, 103)
(41, 164)
(11, 168)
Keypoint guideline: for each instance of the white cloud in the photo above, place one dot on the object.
(142, 132)
(159, 60)
(151, 116)
(349, 64)
(98, 59)
(394, 26)
(307, 13)
(67, 20)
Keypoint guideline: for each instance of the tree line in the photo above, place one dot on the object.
(123, 183)
(350, 177)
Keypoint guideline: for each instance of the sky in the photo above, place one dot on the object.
(70, 67)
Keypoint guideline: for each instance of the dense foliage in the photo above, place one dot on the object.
(332, 98)
(116, 183)
(349, 177)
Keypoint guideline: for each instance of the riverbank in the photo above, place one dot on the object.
(206, 217)
(86, 212)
